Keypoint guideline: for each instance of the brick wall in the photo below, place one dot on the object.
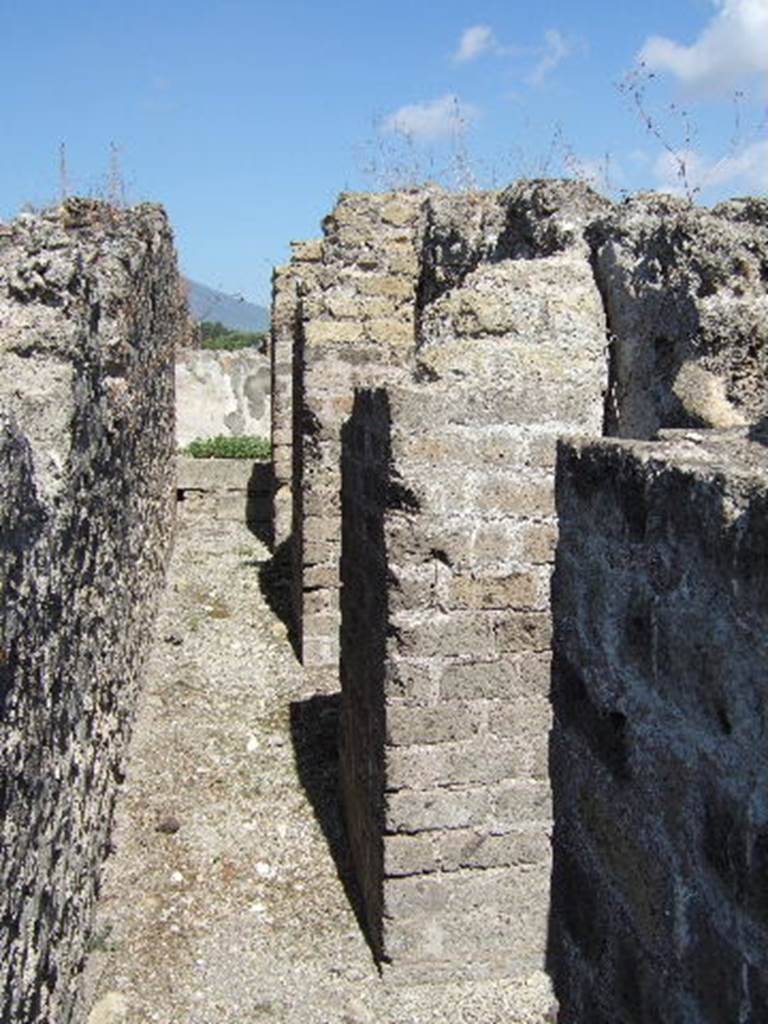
(448, 513)
(358, 329)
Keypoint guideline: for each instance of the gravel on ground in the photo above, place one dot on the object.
(228, 898)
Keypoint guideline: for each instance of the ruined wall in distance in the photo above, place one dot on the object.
(289, 284)
(90, 311)
(222, 392)
(659, 764)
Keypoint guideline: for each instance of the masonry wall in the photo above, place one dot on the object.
(228, 490)
(447, 539)
(347, 312)
(358, 330)
(289, 285)
(684, 299)
(222, 393)
(659, 763)
(90, 311)
(687, 310)
(474, 330)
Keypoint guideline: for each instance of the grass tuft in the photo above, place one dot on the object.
(229, 447)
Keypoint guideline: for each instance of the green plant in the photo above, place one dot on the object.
(215, 336)
(229, 447)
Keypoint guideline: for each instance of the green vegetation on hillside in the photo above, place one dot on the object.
(214, 335)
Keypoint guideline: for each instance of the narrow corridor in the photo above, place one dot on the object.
(223, 902)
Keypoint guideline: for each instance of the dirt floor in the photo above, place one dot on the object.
(228, 899)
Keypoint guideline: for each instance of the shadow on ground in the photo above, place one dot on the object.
(275, 584)
(315, 737)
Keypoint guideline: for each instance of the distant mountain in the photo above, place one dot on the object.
(209, 304)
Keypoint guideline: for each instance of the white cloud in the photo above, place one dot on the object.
(745, 171)
(731, 47)
(556, 48)
(474, 41)
(431, 120)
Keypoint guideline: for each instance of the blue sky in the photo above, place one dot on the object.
(246, 119)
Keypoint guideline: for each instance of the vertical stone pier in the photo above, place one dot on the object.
(346, 310)
(448, 535)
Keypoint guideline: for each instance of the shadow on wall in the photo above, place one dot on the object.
(759, 431)
(366, 492)
(258, 502)
(657, 751)
(315, 736)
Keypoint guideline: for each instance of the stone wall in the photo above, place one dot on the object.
(659, 761)
(474, 329)
(684, 316)
(687, 309)
(90, 311)
(234, 490)
(346, 309)
(290, 284)
(448, 513)
(222, 393)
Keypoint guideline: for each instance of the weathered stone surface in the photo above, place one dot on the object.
(221, 393)
(684, 286)
(488, 325)
(90, 312)
(658, 764)
(476, 287)
(226, 489)
(444, 649)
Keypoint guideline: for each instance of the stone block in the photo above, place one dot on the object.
(529, 717)
(518, 803)
(408, 725)
(325, 332)
(399, 213)
(473, 907)
(538, 541)
(503, 679)
(518, 590)
(453, 764)
(413, 680)
(419, 810)
(321, 576)
(444, 635)
(518, 632)
(390, 331)
(478, 848)
(408, 855)
(393, 286)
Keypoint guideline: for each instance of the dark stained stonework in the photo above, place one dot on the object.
(90, 312)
